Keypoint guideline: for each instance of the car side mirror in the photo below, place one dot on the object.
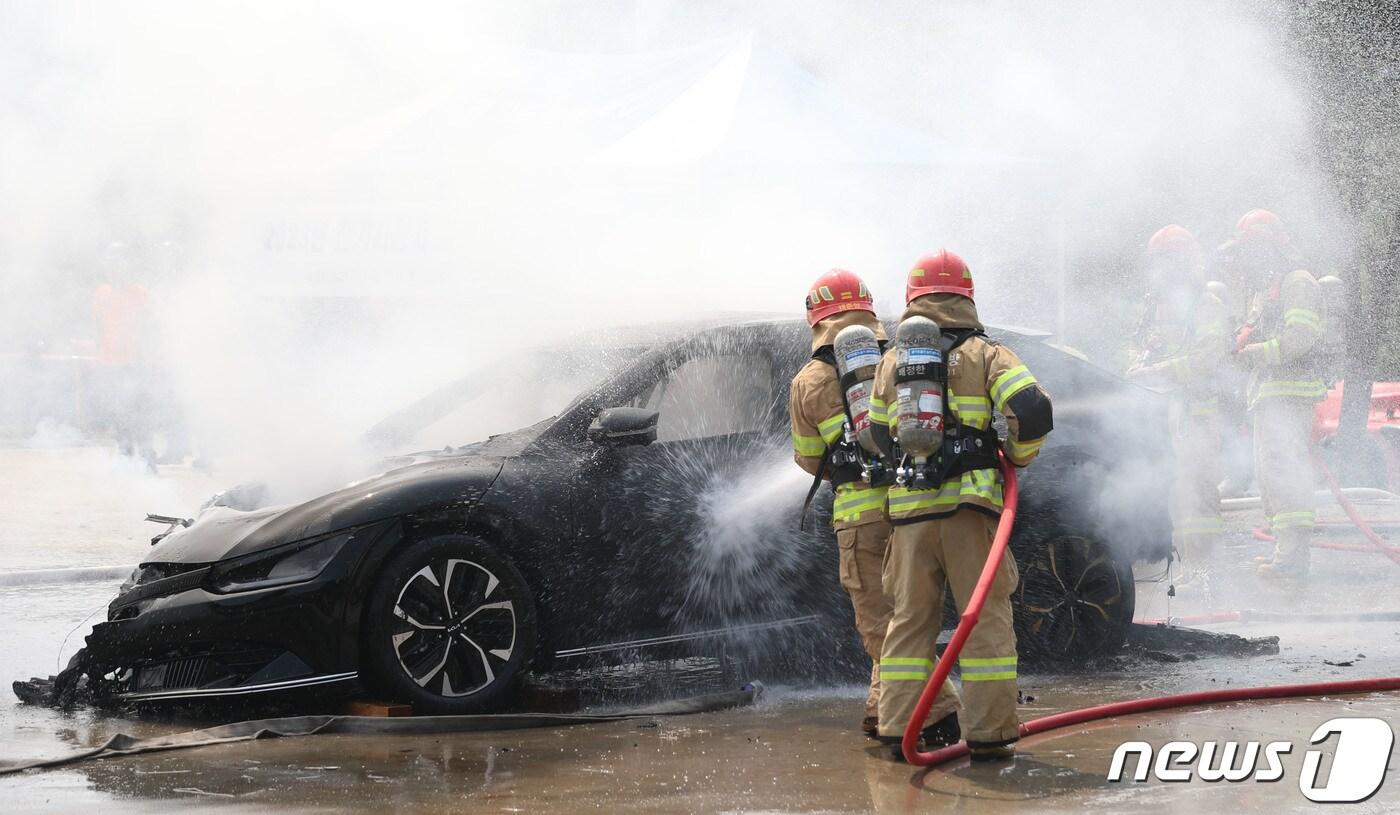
(623, 426)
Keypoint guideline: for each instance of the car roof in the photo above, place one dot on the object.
(658, 333)
(757, 320)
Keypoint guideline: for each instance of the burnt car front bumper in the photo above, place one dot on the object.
(178, 637)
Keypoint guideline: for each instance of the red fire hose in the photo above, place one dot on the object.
(1349, 508)
(1264, 537)
(910, 745)
(1089, 714)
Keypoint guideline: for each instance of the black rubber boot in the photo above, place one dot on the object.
(870, 726)
(941, 733)
(1000, 751)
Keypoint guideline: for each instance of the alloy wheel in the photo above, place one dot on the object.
(452, 630)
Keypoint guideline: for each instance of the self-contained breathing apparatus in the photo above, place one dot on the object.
(856, 454)
(1332, 362)
(1330, 355)
(930, 445)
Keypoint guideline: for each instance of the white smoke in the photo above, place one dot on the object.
(362, 203)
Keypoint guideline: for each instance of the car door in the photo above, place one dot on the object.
(687, 523)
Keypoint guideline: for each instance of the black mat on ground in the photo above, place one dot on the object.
(124, 745)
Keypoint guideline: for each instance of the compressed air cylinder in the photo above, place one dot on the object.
(857, 353)
(919, 378)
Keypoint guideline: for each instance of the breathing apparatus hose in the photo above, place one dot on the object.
(971, 614)
(910, 744)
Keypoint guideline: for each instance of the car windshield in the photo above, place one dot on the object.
(519, 390)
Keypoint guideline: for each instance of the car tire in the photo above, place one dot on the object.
(450, 627)
(1076, 595)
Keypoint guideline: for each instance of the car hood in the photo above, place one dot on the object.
(222, 532)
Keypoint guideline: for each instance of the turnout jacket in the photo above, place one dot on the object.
(1285, 325)
(1186, 351)
(983, 376)
(818, 415)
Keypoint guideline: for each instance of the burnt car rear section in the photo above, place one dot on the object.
(652, 517)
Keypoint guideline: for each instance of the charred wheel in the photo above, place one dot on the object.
(1075, 598)
(451, 626)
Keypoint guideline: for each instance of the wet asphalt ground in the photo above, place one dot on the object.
(796, 750)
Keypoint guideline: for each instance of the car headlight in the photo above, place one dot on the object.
(292, 563)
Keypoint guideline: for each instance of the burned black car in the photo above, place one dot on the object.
(656, 515)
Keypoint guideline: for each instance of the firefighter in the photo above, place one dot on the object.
(1182, 344)
(945, 532)
(1279, 346)
(820, 418)
(121, 311)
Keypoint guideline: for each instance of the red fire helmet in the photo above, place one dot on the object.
(836, 291)
(941, 271)
(1174, 239)
(1260, 225)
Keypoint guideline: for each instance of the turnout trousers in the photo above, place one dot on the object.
(862, 564)
(923, 556)
(1282, 427)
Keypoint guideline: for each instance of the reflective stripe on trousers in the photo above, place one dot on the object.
(905, 669)
(987, 669)
(1292, 520)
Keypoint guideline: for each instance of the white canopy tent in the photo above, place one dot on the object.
(711, 158)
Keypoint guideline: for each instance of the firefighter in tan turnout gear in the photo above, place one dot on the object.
(1280, 346)
(823, 445)
(945, 508)
(1181, 345)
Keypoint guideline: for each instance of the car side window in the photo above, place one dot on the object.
(714, 396)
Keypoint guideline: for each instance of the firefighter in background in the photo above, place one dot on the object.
(820, 417)
(945, 531)
(120, 310)
(1278, 345)
(1182, 345)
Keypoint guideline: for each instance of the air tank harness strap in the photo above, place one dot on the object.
(967, 448)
